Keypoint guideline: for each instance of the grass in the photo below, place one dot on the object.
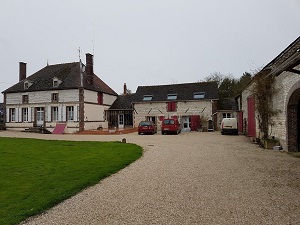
(38, 174)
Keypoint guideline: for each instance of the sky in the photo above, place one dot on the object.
(145, 42)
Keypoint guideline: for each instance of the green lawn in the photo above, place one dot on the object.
(37, 174)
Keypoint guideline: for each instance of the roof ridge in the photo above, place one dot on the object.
(177, 84)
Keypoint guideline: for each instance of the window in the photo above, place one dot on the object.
(172, 96)
(56, 82)
(54, 97)
(27, 84)
(199, 95)
(24, 99)
(147, 97)
(226, 115)
(12, 115)
(25, 114)
(171, 106)
(54, 114)
(70, 113)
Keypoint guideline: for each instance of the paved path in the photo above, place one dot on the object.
(192, 178)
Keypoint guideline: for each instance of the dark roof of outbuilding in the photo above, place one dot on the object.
(68, 73)
(227, 104)
(185, 92)
(123, 102)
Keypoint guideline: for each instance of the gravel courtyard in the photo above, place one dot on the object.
(192, 178)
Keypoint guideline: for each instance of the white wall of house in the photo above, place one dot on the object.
(184, 108)
(71, 95)
(90, 96)
(108, 99)
(94, 114)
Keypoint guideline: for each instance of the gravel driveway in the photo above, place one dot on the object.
(192, 178)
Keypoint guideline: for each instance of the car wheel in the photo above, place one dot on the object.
(139, 133)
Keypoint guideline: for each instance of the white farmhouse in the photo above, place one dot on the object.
(69, 94)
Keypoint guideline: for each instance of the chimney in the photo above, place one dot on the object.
(22, 71)
(89, 68)
(125, 89)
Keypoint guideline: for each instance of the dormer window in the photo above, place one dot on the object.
(147, 97)
(56, 82)
(27, 84)
(172, 96)
(199, 95)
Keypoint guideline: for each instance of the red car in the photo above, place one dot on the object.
(147, 127)
(170, 126)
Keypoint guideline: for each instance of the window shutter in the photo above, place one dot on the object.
(48, 113)
(7, 115)
(100, 98)
(64, 114)
(169, 106)
(173, 106)
(19, 115)
(29, 114)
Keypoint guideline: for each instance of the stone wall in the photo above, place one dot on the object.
(184, 108)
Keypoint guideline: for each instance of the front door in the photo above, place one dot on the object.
(39, 116)
(121, 121)
(186, 121)
(195, 122)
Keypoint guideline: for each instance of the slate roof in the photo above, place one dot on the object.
(287, 59)
(227, 104)
(185, 92)
(123, 102)
(68, 73)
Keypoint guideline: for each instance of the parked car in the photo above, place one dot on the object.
(170, 126)
(229, 126)
(147, 127)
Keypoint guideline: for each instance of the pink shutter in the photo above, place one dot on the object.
(100, 98)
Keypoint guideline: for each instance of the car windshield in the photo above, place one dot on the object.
(145, 123)
(166, 122)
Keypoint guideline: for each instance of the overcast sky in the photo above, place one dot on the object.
(145, 42)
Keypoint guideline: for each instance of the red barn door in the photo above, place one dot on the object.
(251, 117)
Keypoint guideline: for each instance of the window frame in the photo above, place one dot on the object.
(226, 115)
(199, 95)
(172, 97)
(12, 114)
(24, 114)
(147, 98)
(54, 97)
(54, 114)
(70, 113)
(25, 99)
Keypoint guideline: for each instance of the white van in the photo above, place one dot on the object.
(229, 126)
